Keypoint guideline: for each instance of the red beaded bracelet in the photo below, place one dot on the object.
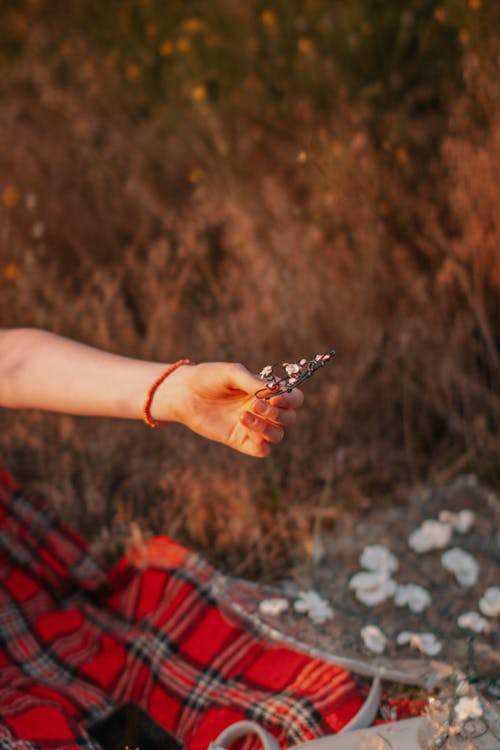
(151, 421)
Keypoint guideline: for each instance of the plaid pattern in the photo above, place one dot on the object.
(77, 642)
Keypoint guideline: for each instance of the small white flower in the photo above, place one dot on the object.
(427, 643)
(460, 522)
(373, 587)
(373, 638)
(292, 380)
(291, 369)
(317, 609)
(472, 621)
(379, 558)
(31, 201)
(303, 362)
(274, 606)
(266, 371)
(463, 685)
(38, 230)
(489, 604)
(415, 597)
(468, 708)
(462, 564)
(429, 536)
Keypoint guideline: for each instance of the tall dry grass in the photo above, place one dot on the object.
(223, 238)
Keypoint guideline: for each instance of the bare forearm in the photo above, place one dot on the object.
(39, 370)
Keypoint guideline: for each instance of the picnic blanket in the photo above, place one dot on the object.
(77, 641)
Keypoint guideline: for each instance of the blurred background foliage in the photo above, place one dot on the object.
(257, 181)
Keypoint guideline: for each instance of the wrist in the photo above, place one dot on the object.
(166, 396)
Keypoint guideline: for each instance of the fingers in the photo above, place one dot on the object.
(272, 433)
(266, 420)
(292, 400)
(256, 448)
(280, 417)
(237, 376)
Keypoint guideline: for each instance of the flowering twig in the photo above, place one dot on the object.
(296, 373)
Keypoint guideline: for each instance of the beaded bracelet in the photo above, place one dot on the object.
(151, 421)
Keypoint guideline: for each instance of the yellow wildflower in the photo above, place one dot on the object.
(167, 49)
(474, 4)
(11, 271)
(402, 155)
(133, 72)
(305, 45)
(184, 44)
(440, 15)
(193, 25)
(199, 93)
(269, 18)
(151, 30)
(10, 196)
(196, 176)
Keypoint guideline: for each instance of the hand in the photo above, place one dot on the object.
(216, 400)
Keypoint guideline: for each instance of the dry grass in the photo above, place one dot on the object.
(223, 238)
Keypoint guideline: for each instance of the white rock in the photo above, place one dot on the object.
(461, 521)
(413, 596)
(427, 643)
(373, 638)
(468, 708)
(489, 604)
(274, 606)
(429, 536)
(462, 564)
(378, 557)
(316, 608)
(472, 621)
(372, 588)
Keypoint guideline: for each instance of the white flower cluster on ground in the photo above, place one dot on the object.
(436, 534)
(375, 585)
(489, 604)
(373, 638)
(462, 564)
(274, 607)
(314, 606)
(429, 536)
(427, 643)
(308, 603)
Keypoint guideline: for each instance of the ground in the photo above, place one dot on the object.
(476, 655)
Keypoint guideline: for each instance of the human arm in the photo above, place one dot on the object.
(40, 370)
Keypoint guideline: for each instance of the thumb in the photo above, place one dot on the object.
(242, 379)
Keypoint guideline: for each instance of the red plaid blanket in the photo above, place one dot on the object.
(76, 642)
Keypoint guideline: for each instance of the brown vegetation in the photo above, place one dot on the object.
(220, 230)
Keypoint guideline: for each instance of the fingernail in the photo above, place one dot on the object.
(260, 407)
(248, 419)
